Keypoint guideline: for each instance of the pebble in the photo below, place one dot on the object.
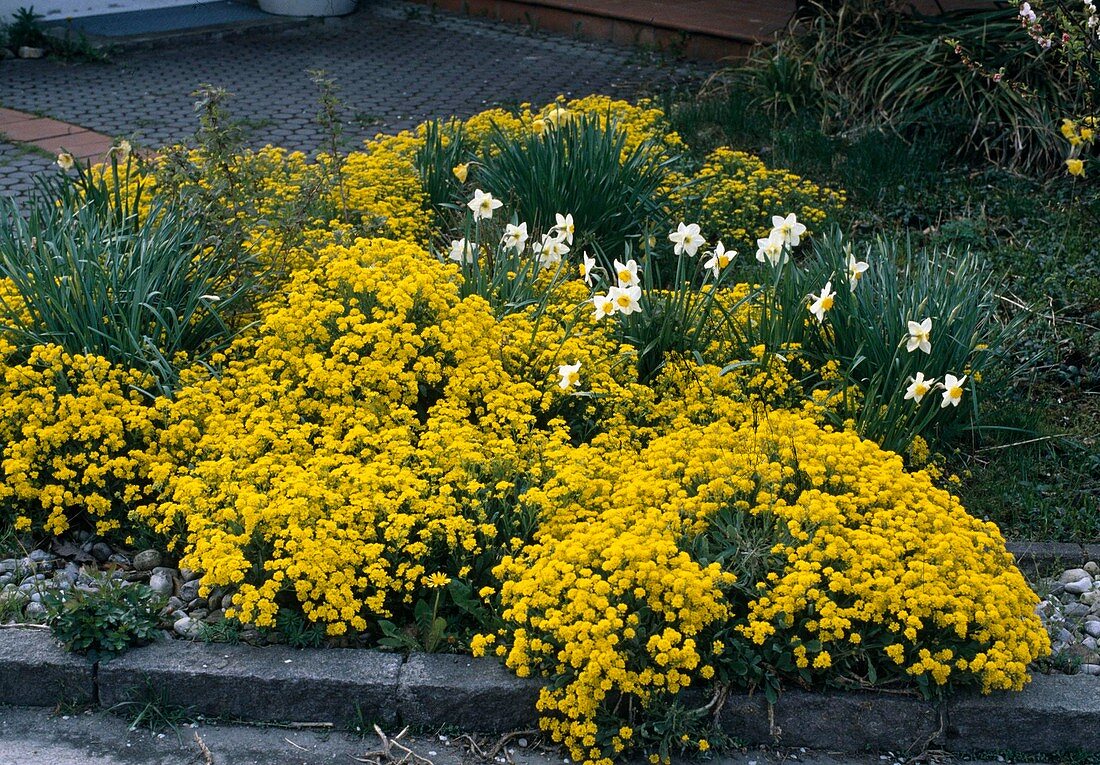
(101, 551)
(1073, 575)
(1093, 629)
(1092, 567)
(8, 566)
(1090, 669)
(1079, 587)
(1076, 610)
(147, 560)
(161, 583)
(40, 556)
(189, 591)
(187, 627)
(35, 611)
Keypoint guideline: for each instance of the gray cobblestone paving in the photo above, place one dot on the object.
(18, 167)
(395, 63)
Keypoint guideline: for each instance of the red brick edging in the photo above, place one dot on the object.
(53, 136)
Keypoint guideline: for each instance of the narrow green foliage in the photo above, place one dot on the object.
(94, 275)
(443, 150)
(583, 168)
(152, 709)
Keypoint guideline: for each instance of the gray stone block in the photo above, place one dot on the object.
(36, 671)
(1054, 713)
(845, 722)
(468, 693)
(273, 683)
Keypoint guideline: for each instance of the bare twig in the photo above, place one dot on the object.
(24, 626)
(385, 755)
(299, 747)
(1023, 443)
(505, 739)
(207, 756)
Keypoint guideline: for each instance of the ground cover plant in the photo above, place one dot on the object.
(452, 410)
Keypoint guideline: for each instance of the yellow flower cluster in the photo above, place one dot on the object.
(367, 435)
(734, 195)
(72, 427)
(1080, 134)
(870, 557)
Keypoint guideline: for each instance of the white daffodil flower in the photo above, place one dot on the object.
(483, 205)
(626, 299)
(65, 161)
(570, 375)
(564, 227)
(550, 251)
(952, 390)
(855, 270)
(462, 251)
(604, 305)
(687, 239)
(919, 387)
(720, 258)
(822, 302)
(788, 228)
(626, 273)
(515, 237)
(920, 336)
(587, 264)
(771, 250)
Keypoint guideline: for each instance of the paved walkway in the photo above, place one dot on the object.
(396, 64)
(35, 737)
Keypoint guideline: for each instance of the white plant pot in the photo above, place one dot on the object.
(308, 7)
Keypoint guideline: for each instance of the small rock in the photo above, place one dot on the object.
(1092, 628)
(187, 627)
(13, 597)
(161, 583)
(215, 616)
(175, 604)
(26, 51)
(188, 575)
(199, 614)
(1065, 636)
(1092, 598)
(1080, 587)
(1073, 575)
(1092, 567)
(101, 551)
(1090, 643)
(8, 566)
(1076, 610)
(147, 560)
(119, 559)
(189, 590)
(35, 611)
(1090, 669)
(39, 556)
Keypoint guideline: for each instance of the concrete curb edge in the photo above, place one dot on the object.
(1055, 713)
